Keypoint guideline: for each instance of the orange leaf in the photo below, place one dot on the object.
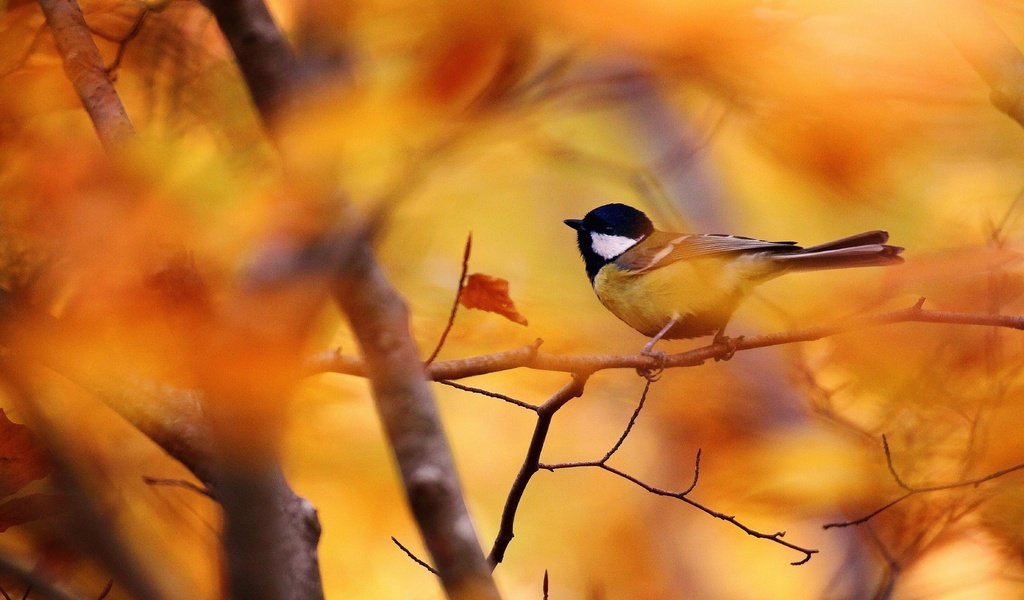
(21, 460)
(30, 507)
(491, 294)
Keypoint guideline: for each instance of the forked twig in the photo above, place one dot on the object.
(531, 464)
(602, 463)
(913, 490)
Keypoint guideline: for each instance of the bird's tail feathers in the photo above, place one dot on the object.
(868, 238)
(841, 254)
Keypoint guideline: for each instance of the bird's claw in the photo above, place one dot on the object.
(731, 345)
(653, 374)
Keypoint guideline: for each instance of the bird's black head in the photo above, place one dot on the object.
(608, 231)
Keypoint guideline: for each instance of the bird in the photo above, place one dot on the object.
(686, 285)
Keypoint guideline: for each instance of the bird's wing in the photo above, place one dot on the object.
(662, 248)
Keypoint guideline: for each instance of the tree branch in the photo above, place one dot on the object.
(84, 67)
(530, 357)
(531, 463)
(602, 463)
(263, 55)
(34, 579)
(913, 490)
(379, 319)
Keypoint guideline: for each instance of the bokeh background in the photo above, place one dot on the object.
(780, 120)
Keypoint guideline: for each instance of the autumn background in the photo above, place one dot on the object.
(187, 298)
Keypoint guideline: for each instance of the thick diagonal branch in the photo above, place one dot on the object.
(263, 54)
(379, 319)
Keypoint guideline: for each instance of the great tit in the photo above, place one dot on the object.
(685, 285)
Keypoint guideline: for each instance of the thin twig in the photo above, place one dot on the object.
(913, 490)
(455, 303)
(490, 394)
(629, 426)
(4, 593)
(602, 463)
(415, 558)
(122, 43)
(106, 590)
(180, 483)
(33, 45)
(34, 578)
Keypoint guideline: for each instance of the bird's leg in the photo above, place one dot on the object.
(648, 350)
(729, 343)
(649, 346)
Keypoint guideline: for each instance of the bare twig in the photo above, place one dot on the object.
(122, 43)
(415, 558)
(489, 394)
(913, 490)
(34, 578)
(531, 463)
(84, 67)
(629, 426)
(530, 357)
(108, 543)
(773, 537)
(602, 463)
(33, 45)
(455, 303)
(180, 483)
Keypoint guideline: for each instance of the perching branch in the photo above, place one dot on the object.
(913, 490)
(581, 366)
(530, 357)
(84, 67)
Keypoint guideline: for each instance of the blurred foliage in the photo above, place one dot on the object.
(782, 120)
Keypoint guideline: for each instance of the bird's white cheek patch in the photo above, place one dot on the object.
(609, 246)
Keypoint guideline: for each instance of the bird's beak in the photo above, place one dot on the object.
(576, 224)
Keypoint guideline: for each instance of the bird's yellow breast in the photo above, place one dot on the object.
(701, 293)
